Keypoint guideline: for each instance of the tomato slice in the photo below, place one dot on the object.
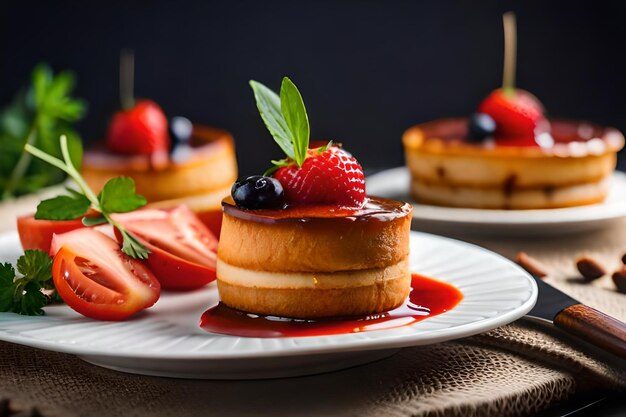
(96, 279)
(183, 250)
(212, 219)
(37, 234)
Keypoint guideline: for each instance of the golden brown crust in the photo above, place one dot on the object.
(319, 245)
(317, 303)
(212, 167)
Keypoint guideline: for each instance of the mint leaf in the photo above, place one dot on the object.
(36, 265)
(118, 196)
(7, 288)
(269, 107)
(294, 112)
(63, 207)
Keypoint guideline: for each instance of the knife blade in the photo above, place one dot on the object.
(580, 320)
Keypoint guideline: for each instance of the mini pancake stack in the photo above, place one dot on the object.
(571, 167)
(200, 180)
(315, 261)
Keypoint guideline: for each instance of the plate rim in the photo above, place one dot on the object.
(451, 215)
(396, 341)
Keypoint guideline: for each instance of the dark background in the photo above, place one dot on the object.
(367, 69)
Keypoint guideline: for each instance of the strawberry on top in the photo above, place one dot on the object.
(327, 176)
(142, 129)
(518, 115)
(321, 175)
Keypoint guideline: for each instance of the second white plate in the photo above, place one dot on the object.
(394, 183)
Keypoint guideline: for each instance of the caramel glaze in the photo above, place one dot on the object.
(562, 131)
(374, 209)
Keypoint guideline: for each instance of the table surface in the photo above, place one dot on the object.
(557, 252)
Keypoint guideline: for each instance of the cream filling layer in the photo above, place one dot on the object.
(498, 198)
(235, 275)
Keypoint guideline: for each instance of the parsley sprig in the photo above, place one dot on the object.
(117, 196)
(22, 293)
(286, 119)
(37, 116)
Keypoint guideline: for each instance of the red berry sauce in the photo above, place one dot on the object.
(428, 298)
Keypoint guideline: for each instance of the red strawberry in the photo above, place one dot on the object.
(329, 177)
(517, 114)
(142, 129)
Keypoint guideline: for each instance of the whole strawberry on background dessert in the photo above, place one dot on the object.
(509, 155)
(305, 241)
(172, 161)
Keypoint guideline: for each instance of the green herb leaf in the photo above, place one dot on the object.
(23, 294)
(94, 221)
(118, 196)
(323, 148)
(38, 116)
(30, 300)
(7, 288)
(63, 207)
(269, 107)
(36, 265)
(42, 77)
(133, 247)
(294, 112)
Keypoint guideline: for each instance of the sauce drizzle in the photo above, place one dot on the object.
(428, 298)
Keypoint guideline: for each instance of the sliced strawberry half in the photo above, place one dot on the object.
(330, 176)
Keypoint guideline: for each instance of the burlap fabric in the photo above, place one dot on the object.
(519, 369)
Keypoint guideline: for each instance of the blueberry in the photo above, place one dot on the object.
(181, 130)
(258, 192)
(480, 127)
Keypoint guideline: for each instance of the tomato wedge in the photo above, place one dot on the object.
(37, 234)
(96, 279)
(183, 250)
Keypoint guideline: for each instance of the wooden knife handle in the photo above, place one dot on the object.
(595, 327)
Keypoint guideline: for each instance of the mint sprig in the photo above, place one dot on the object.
(117, 196)
(22, 293)
(286, 119)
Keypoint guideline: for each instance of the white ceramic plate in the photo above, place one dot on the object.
(394, 183)
(167, 341)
